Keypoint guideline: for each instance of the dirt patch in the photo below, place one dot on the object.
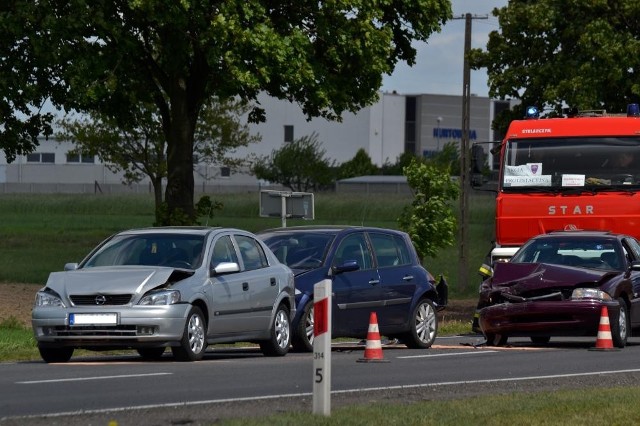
(16, 300)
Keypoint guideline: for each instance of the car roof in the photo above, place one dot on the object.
(184, 230)
(581, 234)
(327, 229)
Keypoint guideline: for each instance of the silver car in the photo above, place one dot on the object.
(178, 287)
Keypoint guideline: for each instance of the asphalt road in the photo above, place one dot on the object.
(243, 383)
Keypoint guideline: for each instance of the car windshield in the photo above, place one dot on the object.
(569, 164)
(172, 250)
(585, 253)
(299, 250)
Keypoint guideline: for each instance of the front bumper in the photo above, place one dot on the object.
(546, 318)
(135, 326)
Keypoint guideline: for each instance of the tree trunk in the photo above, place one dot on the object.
(156, 182)
(180, 183)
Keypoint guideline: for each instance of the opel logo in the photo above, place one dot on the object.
(100, 299)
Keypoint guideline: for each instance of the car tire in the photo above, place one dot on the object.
(423, 326)
(496, 339)
(540, 340)
(280, 334)
(620, 326)
(151, 354)
(55, 355)
(194, 339)
(302, 339)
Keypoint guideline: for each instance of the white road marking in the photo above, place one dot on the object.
(82, 379)
(307, 394)
(449, 354)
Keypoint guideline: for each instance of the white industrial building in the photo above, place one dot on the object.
(397, 123)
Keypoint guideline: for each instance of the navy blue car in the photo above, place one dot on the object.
(372, 270)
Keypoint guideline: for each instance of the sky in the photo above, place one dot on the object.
(439, 61)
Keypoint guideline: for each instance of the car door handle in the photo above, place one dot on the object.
(273, 281)
(407, 278)
(245, 286)
(374, 282)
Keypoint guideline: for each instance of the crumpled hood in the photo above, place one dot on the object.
(524, 277)
(108, 280)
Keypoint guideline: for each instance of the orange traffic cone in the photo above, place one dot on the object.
(373, 349)
(604, 342)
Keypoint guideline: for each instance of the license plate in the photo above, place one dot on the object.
(93, 319)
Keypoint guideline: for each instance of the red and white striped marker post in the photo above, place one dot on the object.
(322, 348)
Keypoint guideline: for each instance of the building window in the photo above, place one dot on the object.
(288, 133)
(88, 159)
(80, 158)
(410, 125)
(225, 172)
(41, 157)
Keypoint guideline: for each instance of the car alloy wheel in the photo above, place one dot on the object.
(303, 335)
(280, 334)
(193, 343)
(424, 326)
(620, 328)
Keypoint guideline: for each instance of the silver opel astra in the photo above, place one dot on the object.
(178, 287)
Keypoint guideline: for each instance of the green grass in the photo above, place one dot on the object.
(40, 233)
(16, 341)
(612, 406)
(43, 232)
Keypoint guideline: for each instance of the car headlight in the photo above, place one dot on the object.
(45, 299)
(164, 297)
(590, 293)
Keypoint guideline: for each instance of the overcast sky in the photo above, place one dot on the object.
(439, 62)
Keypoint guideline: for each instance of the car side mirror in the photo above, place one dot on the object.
(72, 266)
(348, 266)
(225, 268)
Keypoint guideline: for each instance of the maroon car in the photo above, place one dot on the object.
(556, 285)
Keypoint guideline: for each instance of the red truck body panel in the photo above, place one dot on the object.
(523, 212)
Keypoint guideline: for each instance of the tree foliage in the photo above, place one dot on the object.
(359, 165)
(553, 54)
(300, 165)
(138, 148)
(108, 56)
(429, 219)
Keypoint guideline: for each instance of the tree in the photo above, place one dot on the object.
(429, 219)
(396, 169)
(139, 149)
(552, 54)
(300, 165)
(359, 165)
(109, 56)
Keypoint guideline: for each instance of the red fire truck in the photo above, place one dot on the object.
(580, 172)
(577, 172)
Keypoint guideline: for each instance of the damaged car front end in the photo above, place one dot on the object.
(542, 297)
(181, 288)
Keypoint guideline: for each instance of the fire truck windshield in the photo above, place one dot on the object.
(561, 164)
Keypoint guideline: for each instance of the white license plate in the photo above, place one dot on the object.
(93, 319)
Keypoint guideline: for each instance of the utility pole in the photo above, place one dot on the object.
(465, 180)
